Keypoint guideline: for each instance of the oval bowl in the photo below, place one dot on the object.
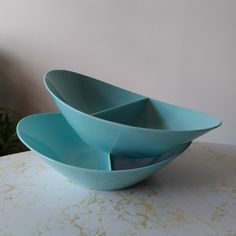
(120, 122)
(51, 137)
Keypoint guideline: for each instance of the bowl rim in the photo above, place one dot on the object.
(183, 149)
(218, 121)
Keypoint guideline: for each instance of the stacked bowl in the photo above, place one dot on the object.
(106, 137)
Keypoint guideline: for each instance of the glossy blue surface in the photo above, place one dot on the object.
(120, 122)
(52, 138)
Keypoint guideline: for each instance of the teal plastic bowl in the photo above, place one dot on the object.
(120, 122)
(50, 136)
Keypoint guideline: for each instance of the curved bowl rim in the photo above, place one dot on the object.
(185, 147)
(130, 126)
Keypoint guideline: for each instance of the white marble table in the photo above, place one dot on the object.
(195, 195)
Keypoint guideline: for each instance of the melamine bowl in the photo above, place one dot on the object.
(120, 122)
(50, 136)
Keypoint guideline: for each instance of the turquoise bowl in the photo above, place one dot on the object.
(121, 122)
(50, 136)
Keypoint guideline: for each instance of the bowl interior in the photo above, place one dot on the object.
(87, 94)
(153, 114)
(123, 162)
(118, 105)
(51, 136)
